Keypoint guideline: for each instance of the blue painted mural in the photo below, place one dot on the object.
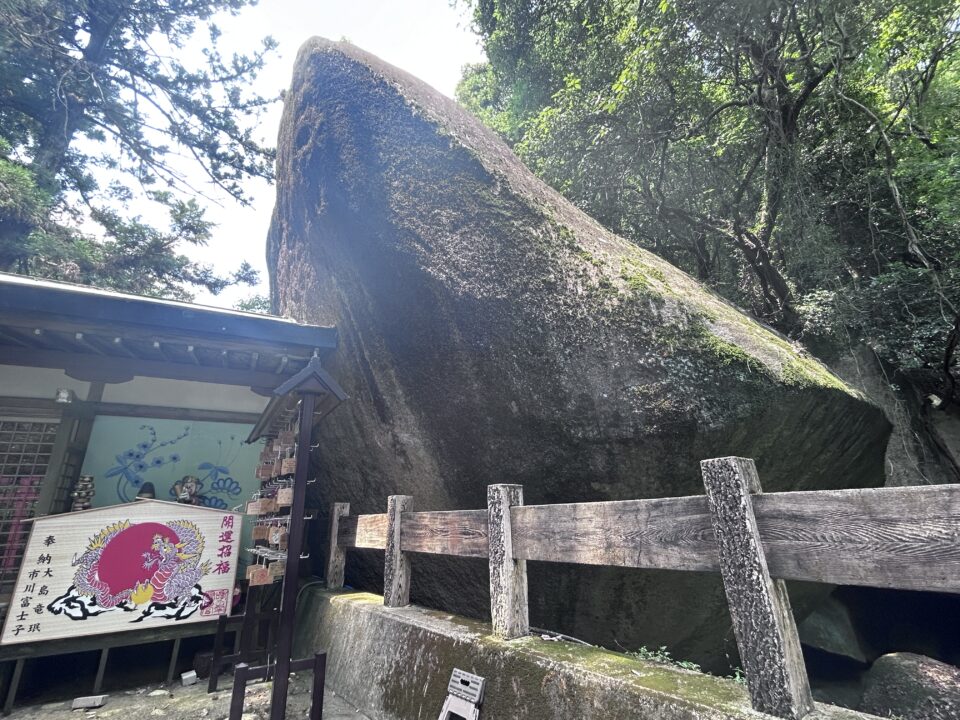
(209, 458)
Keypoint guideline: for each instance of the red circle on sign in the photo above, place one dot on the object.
(121, 563)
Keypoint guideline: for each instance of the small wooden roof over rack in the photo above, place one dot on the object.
(281, 411)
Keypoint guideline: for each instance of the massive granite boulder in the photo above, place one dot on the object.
(912, 687)
(491, 332)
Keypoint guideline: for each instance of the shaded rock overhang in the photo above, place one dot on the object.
(492, 332)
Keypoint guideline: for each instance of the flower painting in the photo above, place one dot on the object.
(203, 463)
(133, 463)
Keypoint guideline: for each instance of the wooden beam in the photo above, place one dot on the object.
(759, 606)
(88, 643)
(104, 375)
(174, 413)
(89, 367)
(337, 558)
(672, 533)
(122, 348)
(455, 532)
(396, 572)
(902, 538)
(363, 531)
(509, 611)
(82, 341)
(9, 337)
(53, 341)
(45, 408)
(24, 337)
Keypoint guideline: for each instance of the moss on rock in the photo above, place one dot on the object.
(492, 332)
(397, 662)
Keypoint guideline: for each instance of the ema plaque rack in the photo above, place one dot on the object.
(287, 423)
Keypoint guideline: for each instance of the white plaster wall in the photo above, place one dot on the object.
(31, 382)
(184, 394)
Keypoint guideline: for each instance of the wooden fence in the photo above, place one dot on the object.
(906, 538)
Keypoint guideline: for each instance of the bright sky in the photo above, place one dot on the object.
(427, 38)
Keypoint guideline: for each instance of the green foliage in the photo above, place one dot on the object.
(800, 156)
(662, 655)
(96, 108)
(255, 304)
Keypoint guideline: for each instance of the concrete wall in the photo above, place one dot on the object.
(394, 663)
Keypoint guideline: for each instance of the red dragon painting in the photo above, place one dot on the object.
(151, 567)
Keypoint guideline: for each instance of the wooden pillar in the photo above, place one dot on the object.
(337, 558)
(13, 686)
(508, 577)
(216, 660)
(319, 681)
(762, 619)
(291, 576)
(241, 675)
(101, 671)
(396, 571)
(172, 668)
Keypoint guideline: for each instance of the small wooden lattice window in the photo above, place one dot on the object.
(25, 449)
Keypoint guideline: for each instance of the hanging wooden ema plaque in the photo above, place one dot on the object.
(259, 575)
(267, 505)
(278, 537)
(285, 497)
(277, 568)
(137, 566)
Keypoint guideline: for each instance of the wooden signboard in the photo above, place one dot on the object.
(125, 567)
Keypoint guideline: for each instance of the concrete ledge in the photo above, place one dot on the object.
(394, 663)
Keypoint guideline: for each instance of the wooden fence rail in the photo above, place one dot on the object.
(906, 538)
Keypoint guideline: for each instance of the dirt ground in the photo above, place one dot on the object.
(193, 703)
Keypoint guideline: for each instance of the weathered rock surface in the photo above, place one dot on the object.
(830, 628)
(491, 332)
(912, 687)
(924, 446)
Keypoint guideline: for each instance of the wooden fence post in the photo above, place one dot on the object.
(508, 577)
(337, 558)
(762, 619)
(396, 571)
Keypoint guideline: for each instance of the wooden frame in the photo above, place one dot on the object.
(902, 538)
